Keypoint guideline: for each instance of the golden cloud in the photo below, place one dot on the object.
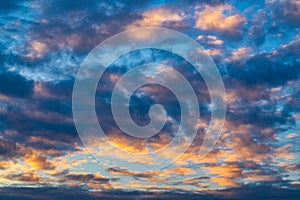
(157, 17)
(213, 18)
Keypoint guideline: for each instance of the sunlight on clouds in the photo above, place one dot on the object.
(157, 17)
(224, 182)
(240, 54)
(213, 18)
(254, 45)
(213, 52)
(38, 48)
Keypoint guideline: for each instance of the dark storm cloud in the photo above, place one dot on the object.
(60, 89)
(55, 105)
(13, 84)
(265, 68)
(42, 120)
(55, 97)
(79, 193)
(43, 48)
(263, 192)
(251, 80)
(69, 193)
(247, 114)
(33, 125)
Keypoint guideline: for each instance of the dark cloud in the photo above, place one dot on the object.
(29, 126)
(150, 94)
(13, 84)
(84, 24)
(41, 52)
(65, 193)
(60, 89)
(262, 193)
(7, 6)
(256, 116)
(54, 105)
(257, 35)
(47, 112)
(293, 104)
(27, 178)
(286, 12)
(265, 68)
(136, 175)
(8, 149)
(78, 193)
(86, 178)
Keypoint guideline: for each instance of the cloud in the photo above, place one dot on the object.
(37, 162)
(227, 174)
(212, 18)
(8, 6)
(159, 17)
(69, 193)
(285, 12)
(44, 44)
(13, 84)
(257, 35)
(268, 68)
(81, 25)
(7, 149)
(137, 175)
(38, 48)
(210, 39)
(240, 54)
(95, 181)
(29, 177)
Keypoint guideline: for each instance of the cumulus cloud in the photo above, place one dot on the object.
(212, 18)
(39, 145)
(285, 12)
(159, 17)
(267, 68)
(241, 53)
(210, 39)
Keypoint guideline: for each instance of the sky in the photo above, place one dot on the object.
(255, 46)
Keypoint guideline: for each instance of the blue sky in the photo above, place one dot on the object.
(255, 46)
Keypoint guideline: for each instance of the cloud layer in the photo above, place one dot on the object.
(255, 47)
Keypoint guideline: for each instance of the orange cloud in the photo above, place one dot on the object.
(227, 174)
(38, 48)
(225, 182)
(38, 162)
(157, 17)
(213, 18)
